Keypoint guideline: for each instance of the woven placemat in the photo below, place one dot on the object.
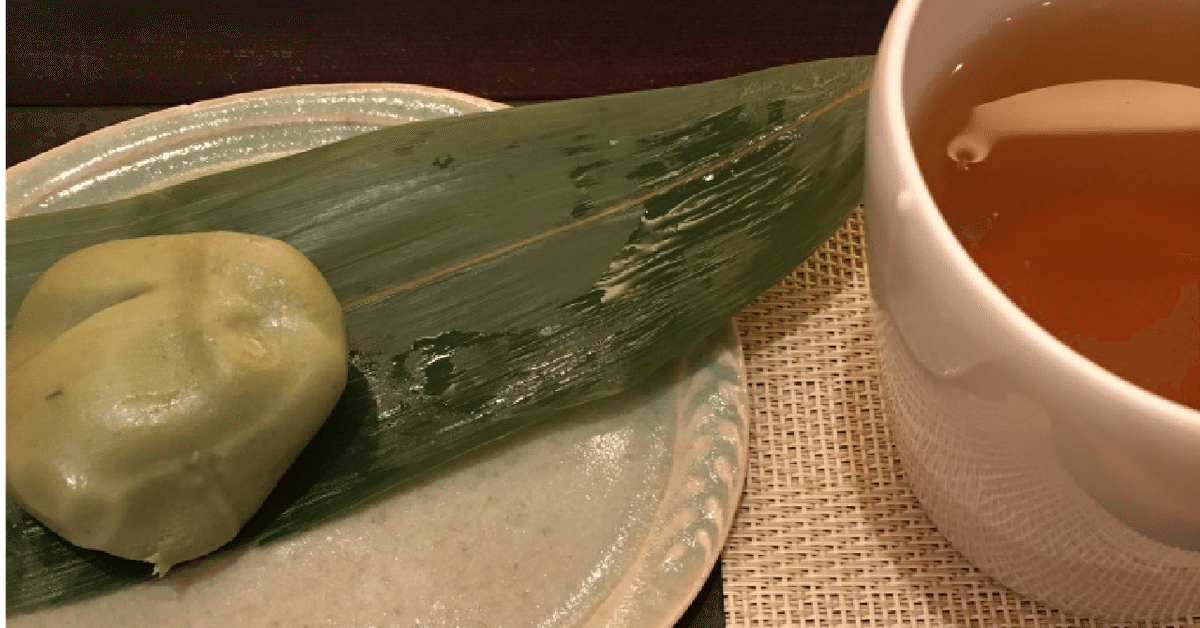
(828, 532)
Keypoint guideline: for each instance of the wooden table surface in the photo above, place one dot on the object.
(75, 66)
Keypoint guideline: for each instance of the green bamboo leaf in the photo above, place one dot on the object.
(497, 268)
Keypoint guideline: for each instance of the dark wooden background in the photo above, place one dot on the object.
(76, 66)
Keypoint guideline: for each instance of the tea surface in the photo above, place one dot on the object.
(1096, 237)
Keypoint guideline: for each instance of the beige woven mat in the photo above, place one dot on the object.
(828, 533)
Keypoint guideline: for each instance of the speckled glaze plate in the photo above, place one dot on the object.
(611, 516)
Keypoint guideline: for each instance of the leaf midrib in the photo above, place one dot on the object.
(698, 173)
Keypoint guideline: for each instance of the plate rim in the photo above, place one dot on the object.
(213, 103)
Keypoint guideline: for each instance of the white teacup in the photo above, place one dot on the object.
(1056, 477)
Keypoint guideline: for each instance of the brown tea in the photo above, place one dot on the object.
(1096, 236)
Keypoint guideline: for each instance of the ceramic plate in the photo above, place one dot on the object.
(612, 515)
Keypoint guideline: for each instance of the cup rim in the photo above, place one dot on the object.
(889, 68)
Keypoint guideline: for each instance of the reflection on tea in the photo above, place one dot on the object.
(1096, 235)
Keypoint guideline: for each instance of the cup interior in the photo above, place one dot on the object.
(923, 38)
